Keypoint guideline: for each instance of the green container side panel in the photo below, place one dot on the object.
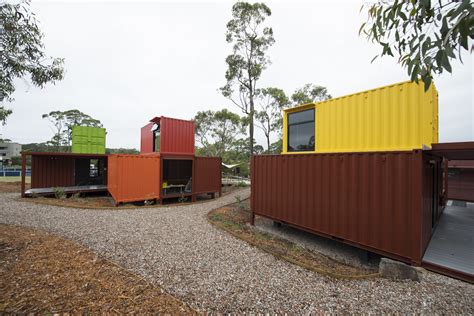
(88, 140)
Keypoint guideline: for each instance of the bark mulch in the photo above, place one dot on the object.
(42, 273)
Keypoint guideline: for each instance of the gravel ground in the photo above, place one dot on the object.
(176, 248)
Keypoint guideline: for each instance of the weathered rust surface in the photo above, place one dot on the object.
(207, 175)
(375, 201)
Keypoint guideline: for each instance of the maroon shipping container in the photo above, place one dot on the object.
(461, 180)
(207, 175)
(176, 137)
(50, 170)
(385, 202)
(146, 140)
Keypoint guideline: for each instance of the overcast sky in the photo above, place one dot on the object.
(127, 62)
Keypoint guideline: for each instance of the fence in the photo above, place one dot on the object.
(14, 172)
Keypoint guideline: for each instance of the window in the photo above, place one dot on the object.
(301, 131)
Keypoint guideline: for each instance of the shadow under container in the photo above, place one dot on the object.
(133, 178)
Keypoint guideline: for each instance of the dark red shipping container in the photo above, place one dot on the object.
(176, 137)
(379, 201)
(207, 175)
(50, 170)
(461, 180)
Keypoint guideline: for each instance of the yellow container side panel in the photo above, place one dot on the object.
(397, 117)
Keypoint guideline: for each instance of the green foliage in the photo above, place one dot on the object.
(269, 116)
(217, 131)
(59, 193)
(16, 161)
(310, 93)
(250, 41)
(63, 122)
(426, 35)
(22, 52)
(4, 113)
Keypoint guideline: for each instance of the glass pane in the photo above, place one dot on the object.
(303, 116)
(301, 137)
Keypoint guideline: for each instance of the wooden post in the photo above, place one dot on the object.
(23, 171)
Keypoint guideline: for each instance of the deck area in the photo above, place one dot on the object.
(452, 246)
(73, 189)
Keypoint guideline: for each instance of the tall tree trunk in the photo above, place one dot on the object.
(251, 124)
(268, 143)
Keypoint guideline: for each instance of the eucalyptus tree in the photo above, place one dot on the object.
(22, 52)
(271, 103)
(425, 34)
(250, 38)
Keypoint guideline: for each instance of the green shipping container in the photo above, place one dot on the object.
(88, 140)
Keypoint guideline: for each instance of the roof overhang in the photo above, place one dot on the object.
(454, 151)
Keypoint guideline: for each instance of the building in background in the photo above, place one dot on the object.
(9, 150)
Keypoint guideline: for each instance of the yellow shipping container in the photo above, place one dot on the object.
(396, 117)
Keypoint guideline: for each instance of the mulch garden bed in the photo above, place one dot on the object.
(235, 219)
(42, 273)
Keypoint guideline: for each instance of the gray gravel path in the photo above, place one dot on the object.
(177, 249)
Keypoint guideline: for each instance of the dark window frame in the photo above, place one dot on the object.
(313, 110)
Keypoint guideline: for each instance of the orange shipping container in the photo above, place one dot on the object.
(134, 177)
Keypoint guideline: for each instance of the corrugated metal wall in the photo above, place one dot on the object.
(372, 200)
(134, 177)
(52, 171)
(396, 117)
(88, 140)
(207, 175)
(177, 136)
(146, 140)
(461, 183)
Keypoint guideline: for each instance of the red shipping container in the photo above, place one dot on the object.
(134, 177)
(175, 136)
(207, 175)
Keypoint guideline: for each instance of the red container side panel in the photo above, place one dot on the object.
(461, 184)
(177, 136)
(134, 177)
(207, 175)
(146, 141)
(371, 200)
(52, 171)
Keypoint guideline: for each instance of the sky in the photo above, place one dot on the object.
(127, 62)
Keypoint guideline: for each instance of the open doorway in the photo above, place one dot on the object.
(176, 177)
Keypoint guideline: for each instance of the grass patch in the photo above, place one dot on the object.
(235, 220)
(14, 179)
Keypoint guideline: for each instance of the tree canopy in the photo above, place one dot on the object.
(310, 93)
(250, 40)
(63, 122)
(426, 35)
(22, 52)
(269, 114)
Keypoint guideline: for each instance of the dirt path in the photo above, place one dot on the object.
(177, 249)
